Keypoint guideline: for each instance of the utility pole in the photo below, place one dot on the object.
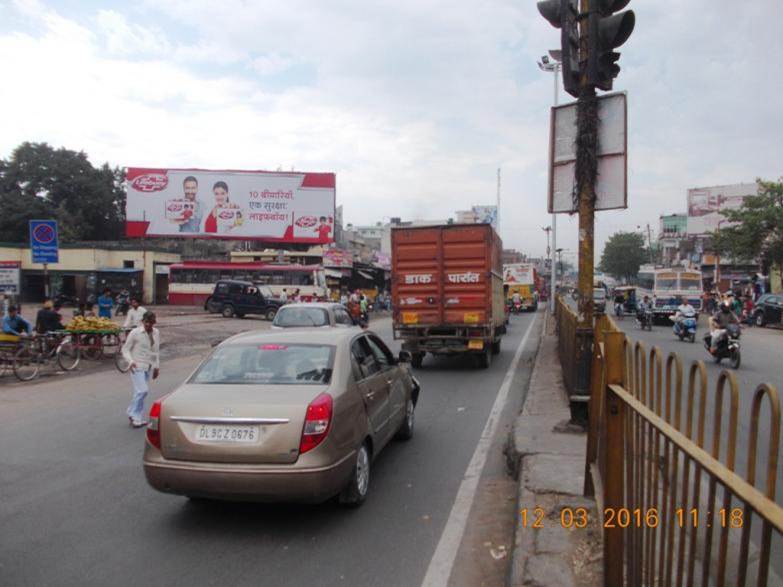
(590, 32)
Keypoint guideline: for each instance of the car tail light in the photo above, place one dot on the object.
(318, 421)
(153, 428)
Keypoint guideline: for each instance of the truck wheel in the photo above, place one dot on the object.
(228, 311)
(485, 359)
(416, 360)
(496, 347)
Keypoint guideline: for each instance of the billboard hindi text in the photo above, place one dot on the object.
(292, 207)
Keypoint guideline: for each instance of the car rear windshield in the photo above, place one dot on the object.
(268, 363)
(301, 316)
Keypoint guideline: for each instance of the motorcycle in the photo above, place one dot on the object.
(515, 307)
(644, 319)
(728, 347)
(685, 327)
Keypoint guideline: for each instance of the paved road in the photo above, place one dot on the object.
(75, 508)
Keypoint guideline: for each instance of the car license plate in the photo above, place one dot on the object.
(410, 318)
(227, 433)
(477, 344)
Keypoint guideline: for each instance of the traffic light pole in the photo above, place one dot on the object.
(586, 171)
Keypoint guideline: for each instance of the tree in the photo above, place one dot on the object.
(38, 181)
(623, 254)
(757, 232)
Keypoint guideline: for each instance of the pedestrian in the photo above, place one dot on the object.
(142, 352)
(297, 296)
(284, 296)
(105, 304)
(363, 305)
(135, 314)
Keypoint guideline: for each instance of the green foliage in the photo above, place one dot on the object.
(758, 232)
(38, 181)
(623, 254)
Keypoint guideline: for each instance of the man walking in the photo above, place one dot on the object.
(142, 352)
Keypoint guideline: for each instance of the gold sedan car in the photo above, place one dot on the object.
(288, 415)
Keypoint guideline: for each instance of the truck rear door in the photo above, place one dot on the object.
(417, 269)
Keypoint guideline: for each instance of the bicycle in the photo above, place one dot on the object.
(39, 350)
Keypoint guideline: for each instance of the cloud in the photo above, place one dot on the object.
(414, 104)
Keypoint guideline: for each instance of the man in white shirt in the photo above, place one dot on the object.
(135, 314)
(142, 352)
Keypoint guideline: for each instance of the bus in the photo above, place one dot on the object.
(666, 286)
(521, 278)
(192, 282)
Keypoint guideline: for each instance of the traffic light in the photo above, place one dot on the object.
(606, 32)
(564, 15)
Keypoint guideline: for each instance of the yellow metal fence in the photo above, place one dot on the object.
(680, 504)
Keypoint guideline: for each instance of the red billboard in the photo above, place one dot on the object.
(291, 207)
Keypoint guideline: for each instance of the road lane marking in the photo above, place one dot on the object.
(442, 561)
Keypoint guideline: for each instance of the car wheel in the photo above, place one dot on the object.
(270, 314)
(355, 492)
(496, 347)
(406, 430)
(416, 360)
(228, 311)
(760, 320)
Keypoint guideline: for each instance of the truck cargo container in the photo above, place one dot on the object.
(447, 290)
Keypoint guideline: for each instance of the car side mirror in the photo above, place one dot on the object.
(405, 357)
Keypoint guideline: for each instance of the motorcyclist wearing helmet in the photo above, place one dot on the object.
(719, 323)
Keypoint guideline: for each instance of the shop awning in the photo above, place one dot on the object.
(366, 275)
(334, 273)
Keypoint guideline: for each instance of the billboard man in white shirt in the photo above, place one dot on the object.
(134, 315)
(142, 352)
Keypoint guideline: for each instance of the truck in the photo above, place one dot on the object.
(521, 278)
(447, 291)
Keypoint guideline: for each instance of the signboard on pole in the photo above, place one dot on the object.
(9, 277)
(286, 207)
(611, 186)
(44, 243)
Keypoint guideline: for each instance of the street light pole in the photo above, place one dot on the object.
(553, 66)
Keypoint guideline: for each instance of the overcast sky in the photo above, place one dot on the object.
(413, 103)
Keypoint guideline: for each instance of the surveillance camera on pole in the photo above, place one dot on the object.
(606, 32)
(564, 15)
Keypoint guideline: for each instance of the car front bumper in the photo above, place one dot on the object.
(260, 483)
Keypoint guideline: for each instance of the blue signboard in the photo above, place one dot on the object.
(43, 241)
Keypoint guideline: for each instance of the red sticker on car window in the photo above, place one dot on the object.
(272, 347)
